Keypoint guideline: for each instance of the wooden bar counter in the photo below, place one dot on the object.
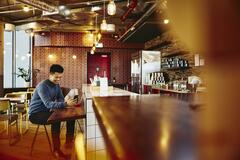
(146, 127)
(95, 145)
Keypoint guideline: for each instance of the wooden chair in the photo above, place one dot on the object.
(9, 117)
(30, 89)
(19, 101)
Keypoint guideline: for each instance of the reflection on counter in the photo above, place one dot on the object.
(178, 92)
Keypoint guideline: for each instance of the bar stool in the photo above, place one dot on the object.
(35, 136)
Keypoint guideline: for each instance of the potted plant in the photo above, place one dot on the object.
(24, 74)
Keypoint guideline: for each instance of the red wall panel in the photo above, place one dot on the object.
(102, 63)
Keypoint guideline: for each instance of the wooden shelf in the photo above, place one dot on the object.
(175, 68)
(174, 54)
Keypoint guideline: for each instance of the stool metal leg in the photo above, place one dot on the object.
(48, 138)
(34, 139)
(79, 125)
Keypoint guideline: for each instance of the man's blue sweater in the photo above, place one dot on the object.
(46, 96)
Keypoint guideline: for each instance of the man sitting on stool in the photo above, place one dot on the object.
(48, 96)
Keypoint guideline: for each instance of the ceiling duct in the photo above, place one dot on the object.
(131, 7)
(140, 21)
(39, 4)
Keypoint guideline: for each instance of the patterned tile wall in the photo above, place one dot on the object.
(79, 40)
(75, 72)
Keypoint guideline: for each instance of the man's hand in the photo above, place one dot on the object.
(71, 102)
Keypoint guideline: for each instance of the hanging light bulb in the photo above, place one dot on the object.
(99, 36)
(93, 48)
(103, 25)
(26, 9)
(111, 8)
(92, 51)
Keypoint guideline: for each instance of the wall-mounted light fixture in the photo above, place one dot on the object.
(74, 56)
(50, 56)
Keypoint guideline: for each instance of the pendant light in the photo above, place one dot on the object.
(92, 51)
(103, 25)
(97, 33)
(111, 8)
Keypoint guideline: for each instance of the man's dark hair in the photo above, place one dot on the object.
(56, 68)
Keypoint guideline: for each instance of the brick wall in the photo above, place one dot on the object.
(75, 72)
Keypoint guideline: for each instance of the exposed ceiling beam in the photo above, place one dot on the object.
(10, 5)
(129, 32)
(92, 3)
(13, 11)
(40, 5)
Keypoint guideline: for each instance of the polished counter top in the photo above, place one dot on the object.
(170, 90)
(150, 127)
(167, 90)
(94, 91)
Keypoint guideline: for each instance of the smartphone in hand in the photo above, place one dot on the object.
(75, 98)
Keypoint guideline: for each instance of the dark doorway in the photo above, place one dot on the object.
(98, 64)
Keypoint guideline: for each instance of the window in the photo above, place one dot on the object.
(23, 55)
(16, 55)
(8, 48)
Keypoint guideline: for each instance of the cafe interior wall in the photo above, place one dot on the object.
(60, 47)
